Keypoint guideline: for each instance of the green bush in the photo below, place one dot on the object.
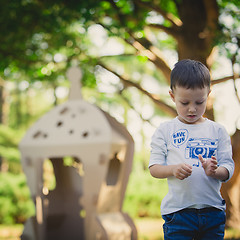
(15, 203)
(144, 194)
(9, 152)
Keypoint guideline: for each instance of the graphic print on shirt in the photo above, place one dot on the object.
(179, 137)
(204, 146)
(194, 146)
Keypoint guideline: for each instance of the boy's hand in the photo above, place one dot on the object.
(209, 165)
(182, 171)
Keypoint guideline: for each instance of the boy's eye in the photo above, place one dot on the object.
(199, 103)
(184, 103)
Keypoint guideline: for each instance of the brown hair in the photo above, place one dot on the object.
(190, 74)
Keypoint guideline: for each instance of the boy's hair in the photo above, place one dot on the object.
(190, 74)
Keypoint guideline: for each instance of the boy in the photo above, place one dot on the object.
(195, 156)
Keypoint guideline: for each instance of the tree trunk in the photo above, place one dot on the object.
(18, 106)
(231, 189)
(1, 100)
(1, 117)
(195, 36)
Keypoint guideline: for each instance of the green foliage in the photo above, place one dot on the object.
(229, 37)
(15, 203)
(9, 139)
(144, 194)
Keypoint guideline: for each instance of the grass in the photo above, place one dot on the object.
(148, 229)
(231, 234)
(12, 232)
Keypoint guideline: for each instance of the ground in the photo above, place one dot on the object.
(148, 229)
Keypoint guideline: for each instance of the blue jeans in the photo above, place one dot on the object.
(197, 224)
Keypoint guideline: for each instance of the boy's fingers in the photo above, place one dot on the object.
(214, 160)
(187, 168)
(201, 158)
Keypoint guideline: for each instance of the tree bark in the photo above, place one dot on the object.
(196, 35)
(231, 189)
(1, 117)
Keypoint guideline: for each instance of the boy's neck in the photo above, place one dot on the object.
(201, 120)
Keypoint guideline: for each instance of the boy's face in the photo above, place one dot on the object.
(190, 103)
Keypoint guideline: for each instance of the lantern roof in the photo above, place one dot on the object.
(73, 122)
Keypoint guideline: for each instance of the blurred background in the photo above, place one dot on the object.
(126, 50)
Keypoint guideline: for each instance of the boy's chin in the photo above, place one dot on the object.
(191, 120)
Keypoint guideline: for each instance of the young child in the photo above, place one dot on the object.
(195, 155)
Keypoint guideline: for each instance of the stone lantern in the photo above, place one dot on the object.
(91, 156)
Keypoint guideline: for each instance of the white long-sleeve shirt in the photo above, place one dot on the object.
(175, 142)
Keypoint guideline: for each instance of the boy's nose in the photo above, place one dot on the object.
(192, 109)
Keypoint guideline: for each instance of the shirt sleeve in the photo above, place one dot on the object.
(158, 148)
(224, 155)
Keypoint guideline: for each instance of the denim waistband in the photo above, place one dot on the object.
(201, 210)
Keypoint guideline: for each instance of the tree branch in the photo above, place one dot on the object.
(127, 83)
(176, 22)
(120, 16)
(169, 30)
(224, 79)
(146, 48)
(132, 107)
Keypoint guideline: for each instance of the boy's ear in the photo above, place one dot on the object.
(172, 95)
(209, 91)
